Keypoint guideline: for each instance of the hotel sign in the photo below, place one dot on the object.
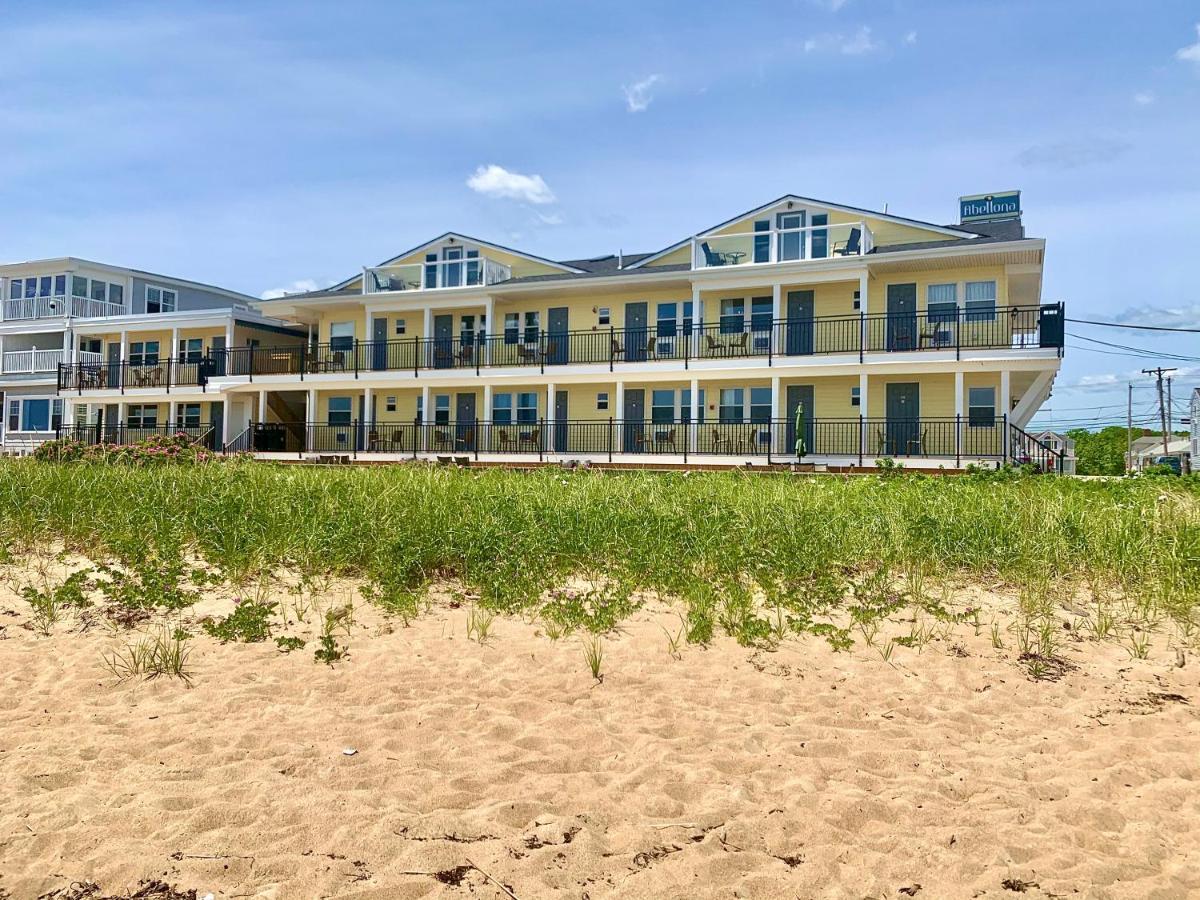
(989, 207)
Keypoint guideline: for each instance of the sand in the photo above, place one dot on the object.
(728, 772)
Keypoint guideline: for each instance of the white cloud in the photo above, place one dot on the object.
(1111, 380)
(1190, 53)
(1144, 98)
(1186, 316)
(910, 38)
(857, 44)
(296, 287)
(497, 181)
(551, 219)
(638, 96)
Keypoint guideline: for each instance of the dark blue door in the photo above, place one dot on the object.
(799, 323)
(464, 418)
(443, 342)
(902, 317)
(557, 336)
(560, 421)
(379, 342)
(634, 416)
(800, 396)
(635, 331)
(903, 432)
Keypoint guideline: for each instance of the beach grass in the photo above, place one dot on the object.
(728, 544)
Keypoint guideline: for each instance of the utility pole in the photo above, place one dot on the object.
(1170, 409)
(1129, 431)
(1162, 409)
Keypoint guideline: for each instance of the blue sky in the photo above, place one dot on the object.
(264, 146)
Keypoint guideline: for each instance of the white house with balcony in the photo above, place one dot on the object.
(48, 312)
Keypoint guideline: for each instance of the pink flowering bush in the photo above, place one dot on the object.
(156, 449)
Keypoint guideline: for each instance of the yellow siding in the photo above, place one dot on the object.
(878, 288)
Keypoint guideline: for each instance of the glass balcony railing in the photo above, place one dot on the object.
(473, 271)
(779, 245)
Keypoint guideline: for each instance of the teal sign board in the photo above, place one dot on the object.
(985, 207)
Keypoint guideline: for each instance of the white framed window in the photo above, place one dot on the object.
(401, 326)
(158, 299)
(341, 335)
(532, 326)
(941, 301)
(441, 409)
(745, 405)
(981, 407)
(79, 286)
(980, 301)
(857, 300)
(502, 408)
(390, 404)
(187, 415)
(14, 415)
(855, 396)
(341, 410)
(143, 353)
(142, 415)
(420, 408)
(191, 349)
(604, 315)
(527, 407)
(602, 400)
(512, 327)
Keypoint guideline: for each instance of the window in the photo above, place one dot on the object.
(942, 302)
(158, 299)
(762, 314)
(56, 414)
(79, 287)
(685, 406)
(81, 413)
(858, 299)
(820, 235)
(512, 327)
(531, 327)
(762, 241)
(527, 409)
(341, 335)
(401, 327)
(100, 292)
(441, 409)
(667, 313)
(340, 410)
(662, 406)
(602, 400)
(143, 353)
(142, 415)
(466, 331)
(981, 301)
(791, 238)
(502, 409)
(14, 415)
(733, 314)
(389, 404)
(981, 407)
(855, 396)
(732, 400)
(760, 404)
(191, 349)
(44, 284)
(14, 288)
(420, 408)
(60, 285)
(604, 315)
(187, 415)
(30, 288)
(116, 294)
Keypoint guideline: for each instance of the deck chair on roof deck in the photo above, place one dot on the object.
(851, 246)
(711, 257)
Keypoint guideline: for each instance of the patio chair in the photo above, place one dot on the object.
(617, 349)
(397, 440)
(507, 441)
(720, 442)
(533, 438)
(850, 246)
(441, 356)
(650, 345)
(551, 354)
(711, 257)
(336, 362)
(466, 440)
(715, 347)
(666, 438)
(741, 345)
(918, 442)
(526, 354)
(880, 442)
(442, 439)
(933, 334)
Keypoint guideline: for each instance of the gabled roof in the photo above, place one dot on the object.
(464, 238)
(950, 230)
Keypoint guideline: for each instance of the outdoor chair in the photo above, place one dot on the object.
(533, 438)
(372, 439)
(711, 257)
(720, 442)
(667, 439)
(507, 441)
(650, 345)
(466, 440)
(880, 442)
(715, 347)
(741, 344)
(526, 354)
(442, 440)
(617, 349)
(551, 353)
(337, 361)
(918, 442)
(850, 246)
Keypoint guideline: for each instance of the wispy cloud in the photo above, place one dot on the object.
(497, 181)
(296, 287)
(1107, 381)
(1185, 316)
(857, 44)
(1144, 98)
(1190, 53)
(638, 96)
(549, 219)
(910, 38)
(1073, 154)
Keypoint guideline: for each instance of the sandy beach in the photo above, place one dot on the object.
(427, 764)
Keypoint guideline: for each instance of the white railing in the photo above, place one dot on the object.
(60, 306)
(27, 361)
(89, 357)
(446, 273)
(779, 245)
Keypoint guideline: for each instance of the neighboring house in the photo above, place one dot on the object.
(1060, 444)
(1138, 447)
(1181, 448)
(894, 338)
(83, 343)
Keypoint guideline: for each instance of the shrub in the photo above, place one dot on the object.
(249, 623)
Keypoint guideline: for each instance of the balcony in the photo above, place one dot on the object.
(850, 441)
(780, 245)
(60, 306)
(29, 362)
(120, 434)
(164, 374)
(476, 271)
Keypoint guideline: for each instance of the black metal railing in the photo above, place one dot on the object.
(1007, 328)
(122, 433)
(860, 439)
(1025, 449)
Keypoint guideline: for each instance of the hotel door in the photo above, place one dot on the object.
(634, 420)
(799, 323)
(902, 317)
(903, 419)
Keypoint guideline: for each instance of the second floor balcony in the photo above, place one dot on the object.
(781, 245)
(30, 362)
(460, 272)
(51, 306)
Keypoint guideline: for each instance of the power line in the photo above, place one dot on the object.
(1138, 327)
(1142, 351)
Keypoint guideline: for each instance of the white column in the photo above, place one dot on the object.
(172, 409)
(174, 351)
(1005, 402)
(1, 361)
(310, 410)
(694, 416)
(368, 408)
(427, 330)
(489, 311)
(124, 346)
(487, 403)
(262, 406)
(229, 334)
(426, 412)
(958, 393)
(863, 301)
(120, 412)
(618, 438)
(864, 410)
(226, 415)
(776, 302)
(550, 417)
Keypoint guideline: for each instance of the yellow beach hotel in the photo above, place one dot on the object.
(801, 331)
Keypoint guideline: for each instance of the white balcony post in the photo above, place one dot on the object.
(226, 415)
(427, 330)
(262, 406)
(864, 307)
(1005, 403)
(551, 417)
(864, 411)
(620, 415)
(489, 307)
(172, 413)
(694, 416)
(311, 409)
(3, 359)
(229, 334)
(958, 408)
(364, 281)
(487, 403)
(124, 346)
(120, 413)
